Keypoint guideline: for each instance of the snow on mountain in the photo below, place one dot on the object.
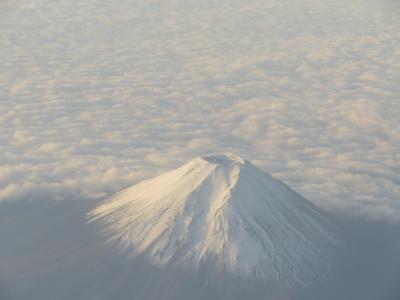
(221, 211)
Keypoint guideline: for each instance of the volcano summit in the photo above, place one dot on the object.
(221, 212)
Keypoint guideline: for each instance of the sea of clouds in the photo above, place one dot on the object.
(97, 95)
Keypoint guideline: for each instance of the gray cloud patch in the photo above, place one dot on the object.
(95, 96)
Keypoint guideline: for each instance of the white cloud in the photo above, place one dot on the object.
(96, 97)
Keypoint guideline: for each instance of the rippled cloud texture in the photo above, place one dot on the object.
(96, 95)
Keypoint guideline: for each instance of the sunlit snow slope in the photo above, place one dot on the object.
(221, 211)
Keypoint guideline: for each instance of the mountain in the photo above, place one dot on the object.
(216, 228)
(219, 214)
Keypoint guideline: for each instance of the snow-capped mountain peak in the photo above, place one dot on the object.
(227, 158)
(222, 211)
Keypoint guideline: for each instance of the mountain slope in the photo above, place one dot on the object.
(221, 212)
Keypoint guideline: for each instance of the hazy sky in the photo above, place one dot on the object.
(96, 95)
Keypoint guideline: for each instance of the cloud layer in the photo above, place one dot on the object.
(96, 95)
